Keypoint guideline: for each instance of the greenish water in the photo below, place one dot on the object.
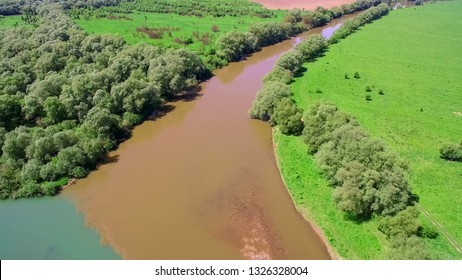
(47, 228)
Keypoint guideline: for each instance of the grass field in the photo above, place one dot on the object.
(186, 26)
(413, 56)
(10, 21)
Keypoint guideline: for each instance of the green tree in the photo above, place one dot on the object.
(291, 61)
(288, 117)
(267, 99)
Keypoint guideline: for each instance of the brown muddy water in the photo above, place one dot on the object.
(201, 182)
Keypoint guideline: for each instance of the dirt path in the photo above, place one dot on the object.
(448, 236)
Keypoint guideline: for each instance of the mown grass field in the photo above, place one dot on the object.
(413, 56)
(186, 26)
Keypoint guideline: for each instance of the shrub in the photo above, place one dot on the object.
(356, 75)
(267, 99)
(368, 97)
(408, 248)
(405, 223)
(368, 89)
(288, 117)
(451, 152)
(381, 92)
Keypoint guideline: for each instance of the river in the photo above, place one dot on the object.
(200, 182)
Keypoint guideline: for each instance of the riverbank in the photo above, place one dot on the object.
(301, 4)
(402, 109)
(312, 196)
(302, 210)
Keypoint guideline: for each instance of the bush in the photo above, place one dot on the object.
(405, 223)
(267, 98)
(356, 75)
(287, 117)
(408, 248)
(428, 232)
(368, 88)
(291, 61)
(279, 74)
(451, 152)
(368, 97)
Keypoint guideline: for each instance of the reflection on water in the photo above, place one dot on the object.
(328, 31)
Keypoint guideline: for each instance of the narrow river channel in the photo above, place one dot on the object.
(202, 181)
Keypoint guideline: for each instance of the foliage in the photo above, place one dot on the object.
(312, 47)
(267, 99)
(216, 8)
(395, 117)
(408, 248)
(351, 25)
(233, 45)
(12, 7)
(369, 178)
(288, 117)
(67, 99)
(451, 152)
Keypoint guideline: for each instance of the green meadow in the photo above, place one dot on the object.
(182, 27)
(408, 94)
(10, 21)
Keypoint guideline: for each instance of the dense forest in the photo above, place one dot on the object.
(67, 99)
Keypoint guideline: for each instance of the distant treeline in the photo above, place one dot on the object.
(234, 45)
(66, 99)
(16, 7)
(266, 105)
(369, 179)
(215, 8)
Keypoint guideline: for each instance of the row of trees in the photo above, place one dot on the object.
(66, 99)
(234, 45)
(369, 179)
(216, 8)
(351, 25)
(273, 102)
(275, 87)
(15, 7)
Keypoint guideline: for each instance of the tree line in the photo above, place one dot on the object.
(369, 180)
(14, 7)
(66, 99)
(235, 45)
(215, 8)
(351, 25)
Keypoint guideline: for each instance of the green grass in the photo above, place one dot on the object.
(414, 56)
(186, 24)
(10, 21)
(311, 192)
